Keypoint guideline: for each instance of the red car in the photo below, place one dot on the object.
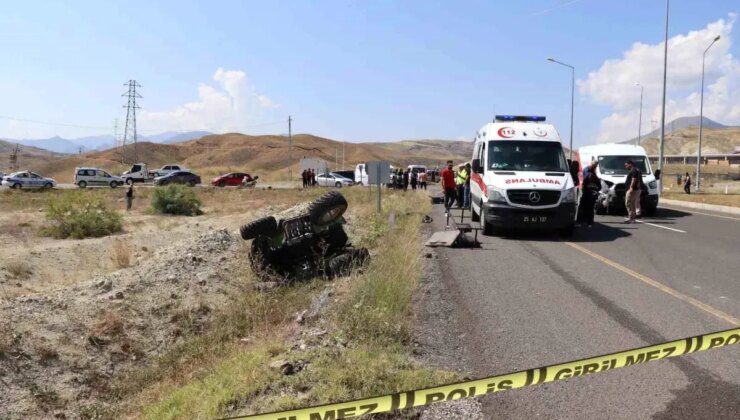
(232, 179)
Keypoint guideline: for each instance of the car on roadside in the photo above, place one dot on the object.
(232, 179)
(27, 180)
(168, 169)
(333, 179)
(96, 177)
(179, 177)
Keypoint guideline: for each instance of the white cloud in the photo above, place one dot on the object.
(613, 84)
(233, 104)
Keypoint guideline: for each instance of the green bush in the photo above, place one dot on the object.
(78, 215)
(176, 199)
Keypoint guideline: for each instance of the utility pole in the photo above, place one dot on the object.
(117, 140)
(14, 158)
(290, 149)
(131, 107)
(662, 112)
(336, 158)
(342, 154)
(572, 99)
(701, 115)
(639, 123)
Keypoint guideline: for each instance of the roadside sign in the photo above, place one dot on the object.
(379, 169)
(319, 166)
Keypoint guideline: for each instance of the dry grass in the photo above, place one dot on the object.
(372, 317)
(19, 270)
(732, 200)
(120, 254)
(108, 324)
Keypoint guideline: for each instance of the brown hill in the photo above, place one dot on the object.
(267, 156)
(685, 141)
(28, 157)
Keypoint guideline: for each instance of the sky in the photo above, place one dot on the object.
(361, 70)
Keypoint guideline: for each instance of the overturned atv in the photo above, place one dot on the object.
(306, 246)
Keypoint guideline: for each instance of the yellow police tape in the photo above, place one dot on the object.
(493, 384)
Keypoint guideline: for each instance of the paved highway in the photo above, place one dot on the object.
(534, 300)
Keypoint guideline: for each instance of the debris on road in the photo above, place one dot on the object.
(309, 244)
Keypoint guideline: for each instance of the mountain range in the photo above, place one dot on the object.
(58, 144)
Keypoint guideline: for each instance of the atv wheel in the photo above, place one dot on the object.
(327, 208)
(258, 227)
(343, 264)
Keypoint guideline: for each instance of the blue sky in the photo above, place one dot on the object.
(359, 71)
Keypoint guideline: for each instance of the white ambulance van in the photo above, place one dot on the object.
(611, 171)
(521, 178)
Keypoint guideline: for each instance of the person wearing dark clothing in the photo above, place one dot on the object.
(635, 186)
(129, 197)
(687, 184)
(303, 177)
(448, 185)
(589, 194)
(406, 180)
(414, 178)
(313, 178)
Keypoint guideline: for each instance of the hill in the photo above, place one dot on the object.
(679, 124)
(29, 157)
(686, 140)
(267, 156)
(101, 142)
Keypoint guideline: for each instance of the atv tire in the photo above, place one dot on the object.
(261, 262)
(327, 208)
(258, 227)
(343, 264)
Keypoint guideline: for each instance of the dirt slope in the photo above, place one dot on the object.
(684, 141)
(263, 155)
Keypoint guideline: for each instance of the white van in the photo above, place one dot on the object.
(95, 177)
(417, 168)
(611, 170)
(520, 178)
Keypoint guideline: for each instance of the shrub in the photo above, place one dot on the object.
(120, 254)
(19, 269)
(81, 215)
(176, 199)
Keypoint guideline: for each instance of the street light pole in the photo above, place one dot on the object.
(572, 100)
(701, 115)
(662, 112)
(639, 122)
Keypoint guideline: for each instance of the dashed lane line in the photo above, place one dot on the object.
(662, 227)
(660, 286)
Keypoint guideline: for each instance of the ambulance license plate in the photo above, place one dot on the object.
(535, 219)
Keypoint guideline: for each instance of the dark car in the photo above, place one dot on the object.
(179, 177)
(233, 179)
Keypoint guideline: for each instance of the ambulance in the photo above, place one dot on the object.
(520, 177)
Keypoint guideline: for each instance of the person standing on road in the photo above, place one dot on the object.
(303, 177)
(313, 178)
(129, 197)
(406, 180)
(423, 180)
(414, 180)
(634, 191)
(589, 193)
(460, 185)
(448, 186)
(687, 184)
(466, 188)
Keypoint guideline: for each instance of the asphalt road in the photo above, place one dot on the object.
(532, 300)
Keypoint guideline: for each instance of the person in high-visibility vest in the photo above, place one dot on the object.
(460, 182)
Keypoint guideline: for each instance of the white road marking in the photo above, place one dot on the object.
(691, 211)
(662, 227)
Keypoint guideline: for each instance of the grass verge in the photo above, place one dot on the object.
(361, 351)
(732, 200)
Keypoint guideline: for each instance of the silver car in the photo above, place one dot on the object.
(333, 180)
(94, 177)
(27, 180)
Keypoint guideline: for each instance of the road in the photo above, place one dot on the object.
(532, 300)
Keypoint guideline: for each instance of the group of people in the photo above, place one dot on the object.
(309, 178)
(456, 185)
(592, 187)
(401, 179)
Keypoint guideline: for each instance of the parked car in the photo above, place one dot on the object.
(233, 179)
(179, 177)
(27, 179)
(168, 169)
(333, 179)
(95, 177)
